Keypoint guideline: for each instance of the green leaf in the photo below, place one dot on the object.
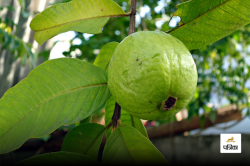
(57, 92)
(212, 116)
(86, 120)
(17, 47)
(103, 58)
(202, 121)
(126, 118)
(45, 138)
(22, 4)
(126, 146)
(86, 16)
(84, 139)
(165, 26)
(59, 158)
(204, 22)
(25, 14)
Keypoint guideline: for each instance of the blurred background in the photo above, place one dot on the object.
(220, 104)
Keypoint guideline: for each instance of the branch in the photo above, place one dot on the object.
(117, 115)
(132, 17)
(117, 112)
(194, 123)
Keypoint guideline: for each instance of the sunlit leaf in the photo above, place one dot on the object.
(86, 16)
(204, 22)
(103, 58)
(57, 92)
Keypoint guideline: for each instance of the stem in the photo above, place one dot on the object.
(117, 115)
(123, 15)
(117, 112)
(132, 17)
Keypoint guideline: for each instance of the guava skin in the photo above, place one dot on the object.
(152, 75)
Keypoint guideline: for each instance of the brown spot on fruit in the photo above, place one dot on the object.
(169, 103)
(140, 63)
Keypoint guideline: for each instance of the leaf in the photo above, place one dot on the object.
(126, 118)
(165, 26)
(212, 116)
(86, 120)
(84, 139)
(103, 58)
(59, 158)
(22, 3)
(25, 14)
(204, 22)
(126, 146)
(86, 16)
(45, 138)
(17, 47)
(57, 92)
(202, 121)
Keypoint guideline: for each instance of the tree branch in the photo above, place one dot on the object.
(117, 111)
(132, 17)
(229, 114)
(117, 115)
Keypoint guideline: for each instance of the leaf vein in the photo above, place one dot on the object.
(50, 99)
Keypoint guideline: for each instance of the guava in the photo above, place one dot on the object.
(152, 75)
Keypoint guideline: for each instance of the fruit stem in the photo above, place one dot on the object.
(117, 115)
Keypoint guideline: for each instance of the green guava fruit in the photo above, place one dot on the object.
(152, 75)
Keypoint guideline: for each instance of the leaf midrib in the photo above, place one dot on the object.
(172, 30)
(108, 16)
(126, 145)
(102, 132)
(48, 100)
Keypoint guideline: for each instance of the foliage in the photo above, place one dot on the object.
(67, 90)
(87, 132)
(129, 146)
(51, 92)
(214, 81)
(223, 69)
(15, 45)
(74, 15)
(195, 30)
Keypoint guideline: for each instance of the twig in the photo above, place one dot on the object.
(116, 115)
(117, 112)
(132, 17)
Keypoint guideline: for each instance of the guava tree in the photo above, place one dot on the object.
(68, 91)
